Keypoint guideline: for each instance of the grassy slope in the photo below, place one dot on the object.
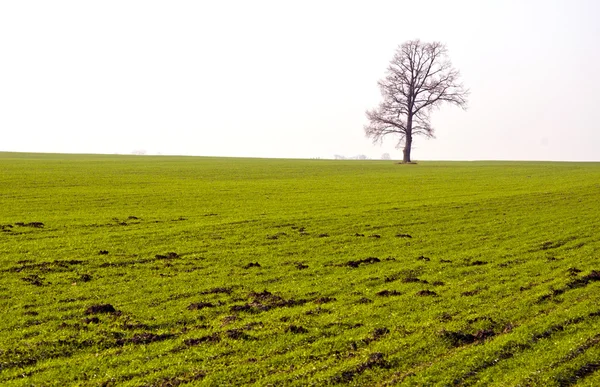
(492, 242)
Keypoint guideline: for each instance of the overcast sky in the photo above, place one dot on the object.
(293, 78)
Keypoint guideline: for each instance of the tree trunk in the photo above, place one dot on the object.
(408, 140)
(406, 151)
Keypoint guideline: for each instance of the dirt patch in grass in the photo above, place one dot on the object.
(377, 334)
(478, 263)
(85, 278)
(388, 293)
(423, 258)
(100, 308)
(426, 293)
(578, 374)
(296, 329)
(228, 319)
(30, 224)
(460, 338)
(34, 279)
(213, 338)
(403, 236)
(366, 261)
(237, 334)
(265, 300)
(46, 267)
(574, 284)
(365, 300)
(169, 255)
(251, 265)
(200, 305)
(408, 280)
(324, 300)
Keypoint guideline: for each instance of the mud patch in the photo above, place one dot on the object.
(388, 293)
(237, 334)
(427, 293)
(324, 300)
(365, 300)
(103, 252)
(214, 338)
(251, 265)
(585, 280)
(91, 320)
(470, 293)
(169, 255)
(408, 280)
(359, 235)
(101, 308)
(200, 305)
(265, 300)
(580, 373)
(478, 263)
(366, 261)
(34, 279)
(85, 278)
(30, 224)
(324, 235)
(228, 320)
(377, 334)
(403, 236)
(376, 236)
(296, 329)
(460, 338)
(423, 258)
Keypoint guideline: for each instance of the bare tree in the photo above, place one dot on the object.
(419, 78)
(386, 156)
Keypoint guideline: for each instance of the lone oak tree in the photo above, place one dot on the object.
(420, 77)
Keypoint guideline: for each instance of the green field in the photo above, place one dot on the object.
(160, 271)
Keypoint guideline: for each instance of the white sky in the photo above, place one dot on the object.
(293, 78)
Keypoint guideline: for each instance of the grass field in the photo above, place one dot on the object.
(160, 271)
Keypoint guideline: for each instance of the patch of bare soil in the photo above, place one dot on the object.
(30, 224)
(100, 308)
(296, 329)
(200, 305)
(324, 300)
(366, 261)
(388, 293)
(426, 293)
(213, 338)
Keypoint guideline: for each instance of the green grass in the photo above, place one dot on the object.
(496, 285)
